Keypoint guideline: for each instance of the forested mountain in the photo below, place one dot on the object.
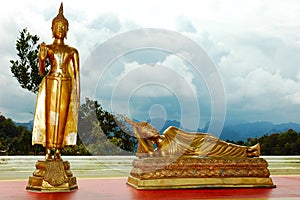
(243, 131)
(239, 131)
(99, 133)
(285, 143)
(16, 140)
(275, 139)
(28, 125)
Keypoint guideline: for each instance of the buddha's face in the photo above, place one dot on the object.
(147, 130)
(59, 30)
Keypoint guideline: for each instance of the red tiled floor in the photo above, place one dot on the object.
(108, 189)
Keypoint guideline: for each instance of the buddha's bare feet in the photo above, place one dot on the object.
(254, 151)
(57, 156)
(255, 147)
(48, 155)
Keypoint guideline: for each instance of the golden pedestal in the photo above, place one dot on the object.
(52, 176)
(199, 172)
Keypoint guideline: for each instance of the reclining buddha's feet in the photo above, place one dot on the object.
(254, 151)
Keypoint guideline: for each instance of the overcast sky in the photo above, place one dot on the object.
(254, 46)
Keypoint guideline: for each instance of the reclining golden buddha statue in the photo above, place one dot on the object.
(180, 159)
(174, 141)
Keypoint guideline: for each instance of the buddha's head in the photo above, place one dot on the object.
(144, 129)
(147, 130)
(60, 25)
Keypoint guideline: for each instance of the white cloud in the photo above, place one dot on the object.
(255, 45)
(183, 24)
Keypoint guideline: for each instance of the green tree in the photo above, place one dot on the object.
(16, 140)
(102, 131)
(25, 68)
(285, 143)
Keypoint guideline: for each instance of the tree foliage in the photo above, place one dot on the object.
(25, 68)
(286, 143)
(102, 132)
(16, 140)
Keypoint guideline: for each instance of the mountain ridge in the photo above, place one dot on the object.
(240, 131)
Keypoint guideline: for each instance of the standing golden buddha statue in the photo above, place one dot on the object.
(56, 114)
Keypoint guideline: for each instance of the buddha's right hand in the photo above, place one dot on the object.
(42, 57)
(43, 51)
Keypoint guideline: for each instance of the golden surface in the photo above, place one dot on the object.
(195, 167)
(175, 141)
(185, 183)
(52, 176)
(56, 113)
(37, 184)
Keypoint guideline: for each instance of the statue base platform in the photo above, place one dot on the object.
(199, 172)
(52, 176)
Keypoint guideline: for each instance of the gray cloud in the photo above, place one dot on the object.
(257, 53)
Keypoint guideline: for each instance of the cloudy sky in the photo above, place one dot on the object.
(142, 58)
